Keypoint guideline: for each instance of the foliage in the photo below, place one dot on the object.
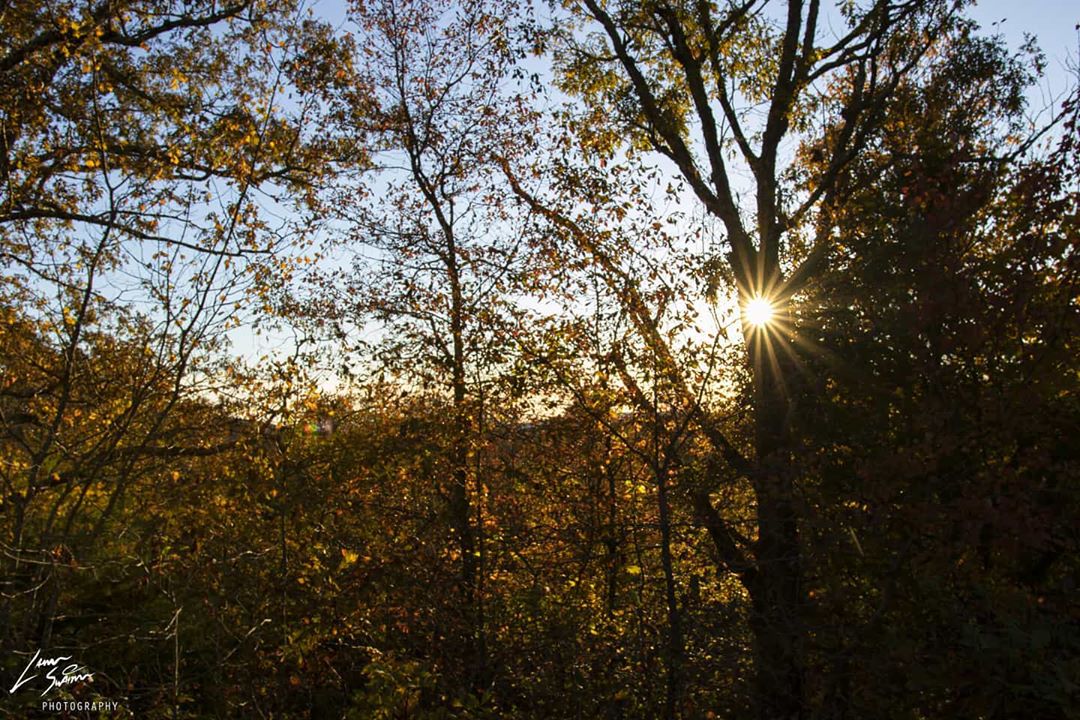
(520, 453)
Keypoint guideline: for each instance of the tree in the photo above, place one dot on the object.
(429, 98)
(936, 436)
(140, 144)
(719, 89)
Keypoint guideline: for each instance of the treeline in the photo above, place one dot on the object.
(634, 360)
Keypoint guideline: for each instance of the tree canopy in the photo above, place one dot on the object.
(602, 358)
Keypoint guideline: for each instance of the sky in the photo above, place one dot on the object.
(1052, 22)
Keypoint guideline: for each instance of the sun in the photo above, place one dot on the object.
(758, 312)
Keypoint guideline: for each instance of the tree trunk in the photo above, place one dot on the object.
(611, 534)
(460, 507)
(675, 650)
(775, 592)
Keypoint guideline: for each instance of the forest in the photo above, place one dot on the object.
(537, 359)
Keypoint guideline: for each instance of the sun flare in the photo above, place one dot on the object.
(758, 312)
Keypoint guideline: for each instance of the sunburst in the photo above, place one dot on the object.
(759, 312)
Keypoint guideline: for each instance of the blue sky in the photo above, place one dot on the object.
(1052, 22)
